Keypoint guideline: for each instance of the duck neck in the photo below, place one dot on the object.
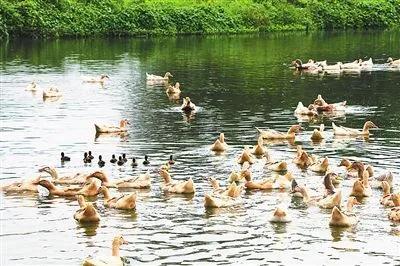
(346, 163)
(366, 127)
(221, 138)
(106, 194)
(115, 249)
(349, 206)
(167, 178)
(53, 173)
(81, 201)
(306, 196)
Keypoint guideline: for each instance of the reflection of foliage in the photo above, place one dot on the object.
(138, 17)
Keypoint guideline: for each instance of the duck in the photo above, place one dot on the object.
(219, 145)
(123, 202)
(113, 159)
(348, 165)
(320, 105)
(393, 63)
(220, 201)
(259, 148)
(302, 159)
(89, 189)
(134, 163)
(155, 78)
(26, 185)
(378, 181)
(320, 166)
(174, 89)
(78, 178)
(101, 163)
(142, 181)
(171, 160)
(187, 105)
(318, 134)
(90, 156)
(113, 260)
(352, 66)
(344, 218)
(232, 190)
(366, 65)
(279, 182)
(310, 65)
(235, 176)
(302, 110)
(86, 158)
(301, 192)
(362, 172)
(351, 132)
(335, 178)
(332, 68)
(51, 92)
(331, 198)
(273, 134)
(120, 161)
(280, 215)
(361, 188)
(112, 129)
(394, 213)
(32, 86)
(146, 160)
(86, 213)
(245, 156)
(101, 79)
(64, 158)
(276, 166)
(386, 199)
(179, 187)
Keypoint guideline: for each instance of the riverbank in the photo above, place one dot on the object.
(63, 18)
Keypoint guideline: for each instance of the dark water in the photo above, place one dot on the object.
(239, 82)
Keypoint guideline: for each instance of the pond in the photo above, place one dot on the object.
(239, 83)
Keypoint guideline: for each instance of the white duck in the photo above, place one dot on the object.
(367, 65)
(302, 110)
(393, 63)
(52, 92)
(155, 78)
(351, 132)
(353, 66)
(113, 260)
(101, 79)
(32, 86)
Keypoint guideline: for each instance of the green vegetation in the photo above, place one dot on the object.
(55, 18)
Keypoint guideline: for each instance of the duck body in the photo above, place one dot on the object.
(320, 166)
(112, 129)
(360, 189)
(174, 89)
(246, 156)
(28, 185)
(76, 179)
(330, 201)
(187, 105)
(142, 181)
(32, 87)
(259, 148)
(393, 63)
(353, 66)
(219, 201)
(219, 145)
(318, 134)
(158, 79)
(52, 92)
(86, 213)
(179, 187)
(90, 189)
(280, 215)
(123, 202)
(273, 134)
(302, 110)
(100, 79)
(345, 131)
(342, 219)
(394, 213)
(113, 260)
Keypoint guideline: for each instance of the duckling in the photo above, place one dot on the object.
(318, 135)
(86, 213)
(90, 189)
(90, 156)
(171, 160)
(259, 149)
(273, 165)
(187, 105)
(273, 134)
(180, 187)
(32, 87)
(64, 158)
(279, 215)
(146, 161)
(124, 158)
(320, 166)
(331, 198)
(302, 110)
(123, 202)
(112, 129)
(114, 259)
(245, 157)
(351, 132)
(113, 159)
(344, 219)
(386, 199)
(86, 159)
(134, 163)
(394, 213)
(220, 144)
(101, 163)
(120, 161)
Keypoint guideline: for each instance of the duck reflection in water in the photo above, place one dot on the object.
(122, 135)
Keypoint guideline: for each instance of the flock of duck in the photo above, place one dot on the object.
(96, 183)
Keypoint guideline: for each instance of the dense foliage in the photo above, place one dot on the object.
(142, 17)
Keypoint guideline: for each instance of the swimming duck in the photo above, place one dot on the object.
(301, 191)
(232, 190)
(89, 189)
(141, 181)
(86, 158)
(394, 213)
(331, 198)
(310, 65)
(79, 178)
(302, 159)
(259, 149)
(386, 199)
(332, 68)
(361, 188)
(100, 79)
(155, 78)
(171, 160)
(393, 63)
(279, 215)
(345, 131)
(64, 158)
(272, 165)
(348, 165)
(220, 201)
(220, 144)
(273, 134)
(246, 156)
(344, 218)
(352, 66)
(187, 105)
(377, 182)
(174, 89)
(302, 110)
(90, 156)
(113, 159)
(279, 182)
(113, 260)
(32, 86)
(51, 93)
(235, 176)
(26, 185)
(318, 135)
(146, 160)
(86, 213)
(120, 161)
(321, 105)
(180, 187)
(134, 163)
(366, 65)
(112, 129)
(123, 202)
(320, 166)
(101, 163)
(362, 172)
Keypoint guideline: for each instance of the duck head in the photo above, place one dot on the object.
(123, 123)
(297, 63)
(345, 162)
(295, 129)
(168, 75)
(50, 170)
(389, 60)
(328, 183)
(99, 175)
(221, 137)
(104, 76)
(280, 212)
(368, 125)
(46, 184)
